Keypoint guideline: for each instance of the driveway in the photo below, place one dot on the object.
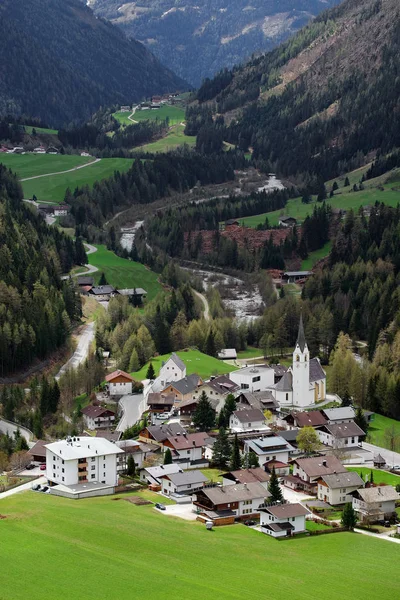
(132, 407)
(183, 511)
(22, 488)
(85, 340)
(392, 458)
(292, 496)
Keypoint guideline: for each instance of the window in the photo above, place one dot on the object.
(54, 458)
(352, 440)
(63, 470)
(248, 424)
(287, 397)
(93, 468)
(62, 461)
(63, 478)
(256, 379)
(93, 476)
(297, 358)
(104, 466)
(293, 519)
(104, 474)
(92, 459)
(54, 474)
(244, 386)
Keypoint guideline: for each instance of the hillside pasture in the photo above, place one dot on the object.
(377, 428)
(31, 165)
(174, 138)
(103, 548)
(379, 476)
(175, 114)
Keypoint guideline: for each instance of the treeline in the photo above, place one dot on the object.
(36, 306)
(383, 164)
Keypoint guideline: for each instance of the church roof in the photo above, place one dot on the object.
(316, 371)
(301, 338)
(286, 383)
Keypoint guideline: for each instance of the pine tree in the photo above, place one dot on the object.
(349, 517)
(236, 460)
(221, 449)
(151, 374)
(54, 397)
(360, 419)
(229, 406)
(222, 420)
(252, 460)
(274, 488)
(102, 280)
(210, 344)
(204, 416)
(346, 182)
(168, 457)
(130, 466)
(371, 476)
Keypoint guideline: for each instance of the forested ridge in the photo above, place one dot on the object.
(36, 307)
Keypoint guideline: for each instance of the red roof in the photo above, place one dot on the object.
(116, 374)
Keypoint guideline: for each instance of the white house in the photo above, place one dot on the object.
(138, 450)
(257, 378)
(268, 448)
(336, 489)
(80, 462)
(217, 390)
(342, 414)
(227, 354)
(307, 472)
(153, 475)
(247, 419)
(182, 483)
(188, 450)
(340, 435)
(254, 475)
(97, 417)
(119, 383)
(173, 370)
(61, 210)
(284, 519)
(375, 503)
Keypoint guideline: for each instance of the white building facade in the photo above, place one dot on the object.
(257, 378)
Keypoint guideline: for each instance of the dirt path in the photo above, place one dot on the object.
(89, 268)
(205, 303)
(93, 162)
(85, 340)
(131, 115)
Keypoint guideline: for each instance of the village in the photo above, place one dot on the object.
(282, 461)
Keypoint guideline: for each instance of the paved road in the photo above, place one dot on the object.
(10, 428)
(89, 268)
(82, 350)
(132, 407)
(206, 312)
(62, 172)
(392, 458)
(22, 488)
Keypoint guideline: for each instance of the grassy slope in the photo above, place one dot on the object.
(379, 476)
(124, 273)
(29, 165)
(315, 256)
(174, 113)
(376, 431)
(100, 548)
(28, 129)
(195, 361)
(250, 353)
(174, 138)
(53, 188)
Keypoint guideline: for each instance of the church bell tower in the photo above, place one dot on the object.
(301, 369)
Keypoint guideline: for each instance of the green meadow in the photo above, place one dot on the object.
(29, 128)
(308, 263)
(175, 114)
(174, 138)
(124, 273)
(377, 428)
(30, 165)
(195, 361)
(379, 476)
(110, 548)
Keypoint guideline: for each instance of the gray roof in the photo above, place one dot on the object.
(287, 218)
(178, 361)
(319, 466)
(223, 385)
(343, 430)
(316, 371)
(162, 432)
(298, 273)
(102, 289)
(158, 472)
(343, 480)
(259, 399)
(251, 370)
(163, 399)
(337, 414)
(285, 384)
(287, 511)
(248, 475)
(379, 460)
(301, 338)
(132, 292)
(290, 435)
(235, 493)
(186, 477)
(249, 414)
(186, 385)
(277, 527)
(382, 493)
(269, 443)
(85, 280)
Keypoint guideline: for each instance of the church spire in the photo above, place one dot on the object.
(301, 338)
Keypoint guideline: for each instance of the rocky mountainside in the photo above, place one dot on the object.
(61, 63)
(197, 39)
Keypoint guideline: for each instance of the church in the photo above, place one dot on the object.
(304, 383)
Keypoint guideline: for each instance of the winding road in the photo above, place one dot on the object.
(89, 164)
(85, 340)
(90, 268)
(131, 115)
(11, 428)
(206, 312)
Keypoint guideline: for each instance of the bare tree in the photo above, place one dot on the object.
(392, 437)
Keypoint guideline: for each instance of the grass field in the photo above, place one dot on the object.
(124, 273)
(174, 113)
(103, 548)
(379, 476)
(28, 129)
(174, 138)
(53, 188)
(250, 353)
(376, 431)
(195, 361)
(316, 526)
(308, 263)
(29, 165)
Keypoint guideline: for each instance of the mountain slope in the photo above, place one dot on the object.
(60, 62)
(197, 39)
(323, 100)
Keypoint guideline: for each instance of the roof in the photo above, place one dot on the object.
(158, 398)
(132, 292)
(382, 493)
(343, 480)
(158, 472)
(309, 419)
(285, 384)
(186, 477)
(102, 289)
(290, 435)
(235, 493)
(223, 385)
(251, 370)
(118, 373)
(287, 511)
(186, 385)
(161, 432)
(301, 338)
(279, 370)
(259, 400)
(343, 430)
(227, 353)
(275, 464)
(247, 415)
(287, 219)
(178, 361)
(298, 273)
(96, 411)
(39, 449)
(277, 527)
(248, 475)
(379, 460)
(337, 414)
(269, 443)
(111, 436)
(318, 466)
(188, 440)
(316, 371)
(85, 280)
(82, 447)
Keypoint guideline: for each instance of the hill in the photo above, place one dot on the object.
(324, 100)
(61, 63)
(198, 39)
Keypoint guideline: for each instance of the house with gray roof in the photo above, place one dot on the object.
(225, 504)
(269, 447)
(282, 520)
(183, 389)
(263, 400)
(337, 488)
(153, 475)
(247, 419)
(341, 435)
(342, 414)
(187, 482)
(375, 503)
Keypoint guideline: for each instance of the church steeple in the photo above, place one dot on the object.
(301, 338)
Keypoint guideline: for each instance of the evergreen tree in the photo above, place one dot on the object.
(360, 419)
(130, 466)
(222, 420)
(204, 416)
(274, 488)
(151, 374)
(236, 461)
(167, 457)
(102, 280)
(221, 449)
(346, 182)
(229, 406)
(371, 476)
(349, 517)
(54, 397)
(210, 344)
(252, 460)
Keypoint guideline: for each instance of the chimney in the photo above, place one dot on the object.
(245, 486)
(194, 443)
(324, 463)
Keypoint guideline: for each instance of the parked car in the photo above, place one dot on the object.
(30, 466)
(387, 523)
(36, 487)
(160, 506)
(396, 468)
(44, 488)
(249, 522)
(42, 467)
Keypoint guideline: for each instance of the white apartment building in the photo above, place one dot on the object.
(257, 378)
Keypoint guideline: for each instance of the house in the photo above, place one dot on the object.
(85, 154)
(256, 378)
(38, 451)
(304, 383)
(52, 150)
(343, 414)
(284, 519)
(97, 417)
(217, 388)
(280, 468)
(157, 434)
(182, 483)
(341, 435)
(61, 210)
(262, 400)
(119, 383)
(312, 418)
(125, 109)
(153, 475)
(307, 472)
(227, 354)
(39, 150)
(136, 295)
(138, 450)
(160, 403)
(287, 221)
(82, 466)
(247, 419)
(375, 503)
(102, 293)
(223, 505)
(296, 276)
(290, 435)
(45, 209)
(84, 281)
(254, 475)
(272, 447)
(184, 388)
(187, 408)
(337, 489)
(188, 450)
(174, 369)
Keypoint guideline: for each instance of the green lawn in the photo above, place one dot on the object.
(214, 474)
(29, 165)
(174, 113)
(316, 526)
(124, 273)
(28, 129)
(103, 548)
(315, 256)
(195, 361)
(376, 431)
(250, 353)
(174, 138)
(379, 476)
